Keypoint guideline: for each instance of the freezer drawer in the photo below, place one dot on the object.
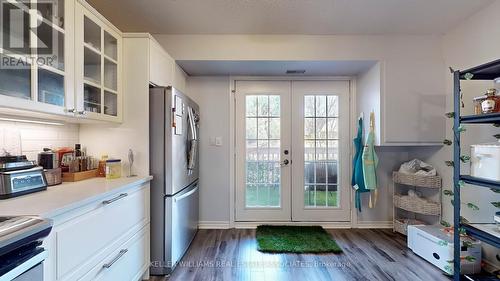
(184, 221)
(180, 227)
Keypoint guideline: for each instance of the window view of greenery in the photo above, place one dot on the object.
(321, 150)
(263, 151)
(321, 145)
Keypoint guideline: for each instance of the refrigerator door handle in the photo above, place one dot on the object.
(185, 195)
(193, 141)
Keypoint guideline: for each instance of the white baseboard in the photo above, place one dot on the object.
(330, 225)
(374, 224)
(214, 225)
(244, 225)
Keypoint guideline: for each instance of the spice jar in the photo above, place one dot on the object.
(101, 168)
(113, 169)
(477, 101)
(491, 103)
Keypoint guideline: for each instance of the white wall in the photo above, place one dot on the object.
(29, 139)
(368, 90)
(212, 95)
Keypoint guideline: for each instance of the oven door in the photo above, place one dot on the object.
(27, 270)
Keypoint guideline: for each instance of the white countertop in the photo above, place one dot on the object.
(66, 196)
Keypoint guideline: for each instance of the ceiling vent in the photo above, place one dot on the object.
(296, 71)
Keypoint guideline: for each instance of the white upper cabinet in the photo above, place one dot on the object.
(97, 67)
(409, 109)
(37, 71)
(69, 66)
(161, 65)
(163, 71)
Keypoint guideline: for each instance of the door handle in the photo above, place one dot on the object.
(107, 202)
(285, 163)
(115, 259)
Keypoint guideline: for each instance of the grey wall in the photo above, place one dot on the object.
(212, 95)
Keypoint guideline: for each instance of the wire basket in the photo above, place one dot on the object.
(401, 225)
(417, 205)
(414, 180)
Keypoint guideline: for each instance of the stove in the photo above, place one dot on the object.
(21, 251)
(19, 176)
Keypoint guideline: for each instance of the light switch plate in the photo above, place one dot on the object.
(218, 141)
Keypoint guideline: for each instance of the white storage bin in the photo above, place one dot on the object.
(485, 161)
(435, 246)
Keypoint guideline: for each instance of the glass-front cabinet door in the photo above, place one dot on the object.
(36, 72)
(98, 51)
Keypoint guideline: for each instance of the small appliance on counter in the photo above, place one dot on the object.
(48, 159)
(21, 254)
(20, 176)
(485, 160)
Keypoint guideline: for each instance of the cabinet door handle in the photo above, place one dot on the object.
(115, 259)
(82, 112)
(71, 110)
(109, 201)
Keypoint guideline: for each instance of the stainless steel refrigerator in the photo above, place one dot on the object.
(173, 128)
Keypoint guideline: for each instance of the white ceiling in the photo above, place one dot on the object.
(274, 68)
(288, 16)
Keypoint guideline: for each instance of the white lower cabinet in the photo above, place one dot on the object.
(128, 262)
(107, 239)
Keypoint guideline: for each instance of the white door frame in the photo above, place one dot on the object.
(232, 152)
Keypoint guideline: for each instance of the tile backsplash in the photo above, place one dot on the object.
(29, 139)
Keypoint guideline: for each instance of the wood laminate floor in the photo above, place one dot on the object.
(369, 254)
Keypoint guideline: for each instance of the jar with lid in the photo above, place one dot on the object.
(492, 102)
(113, 168)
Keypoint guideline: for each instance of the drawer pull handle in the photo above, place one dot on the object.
(115, 259)
(107, 202)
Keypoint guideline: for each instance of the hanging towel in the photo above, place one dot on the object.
(357, 181)
(370, 163)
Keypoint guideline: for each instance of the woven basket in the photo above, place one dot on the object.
(413, 180)
(401, 225)
(417, 205)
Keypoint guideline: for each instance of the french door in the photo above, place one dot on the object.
(292, 151)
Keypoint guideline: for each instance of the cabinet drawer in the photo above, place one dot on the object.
(86, 236)
(127, 262)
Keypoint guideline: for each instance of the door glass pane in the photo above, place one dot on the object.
(110, 74)
(320, 151)
(91, 33)
(15, 82)
(263, 150)
(92, 66)
(50, 87)
(91, 98)
(110, 104)
(110, 46)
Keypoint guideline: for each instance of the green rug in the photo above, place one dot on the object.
(295, 239)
